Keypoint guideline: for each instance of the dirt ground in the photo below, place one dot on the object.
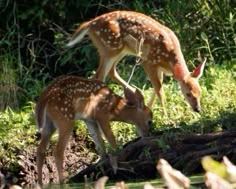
(78, 155)
(136, 160)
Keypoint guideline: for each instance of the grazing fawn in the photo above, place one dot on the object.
(120, 33)
(73, 98)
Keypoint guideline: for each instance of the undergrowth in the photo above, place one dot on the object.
(17, 128)
(218, 103)
(33, 53)
(34, 41)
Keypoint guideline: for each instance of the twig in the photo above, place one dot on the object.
(140, 44)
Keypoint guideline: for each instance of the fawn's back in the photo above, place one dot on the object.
(120, 33)
(74, 97)
(125, 30)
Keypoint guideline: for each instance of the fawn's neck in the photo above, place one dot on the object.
(179, 67)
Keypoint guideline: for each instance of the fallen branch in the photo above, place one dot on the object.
(138, 158)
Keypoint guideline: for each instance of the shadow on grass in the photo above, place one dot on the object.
(206, 124)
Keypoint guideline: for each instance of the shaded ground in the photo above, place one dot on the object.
(77, 158)
(136, 160)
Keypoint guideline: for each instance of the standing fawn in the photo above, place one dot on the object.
(73, 98)
(120, 33)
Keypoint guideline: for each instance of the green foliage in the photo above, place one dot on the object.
(213, 166)
(17, 128)
(33, 34)
(17, 131)
(202, 26)
(15, 123)
(218, 106)
(218, 102)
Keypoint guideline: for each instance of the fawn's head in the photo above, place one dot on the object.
(191, 89)
(136, 112)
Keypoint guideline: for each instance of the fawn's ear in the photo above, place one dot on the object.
(139, 98)
(130, 97)
(198, 71)
(134, 99)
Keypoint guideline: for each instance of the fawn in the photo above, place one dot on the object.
(120, 33)
(73, 98)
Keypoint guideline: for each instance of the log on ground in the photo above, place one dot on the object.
(138, 158)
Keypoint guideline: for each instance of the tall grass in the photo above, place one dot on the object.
(202, 26)
(38, 40)
(8, 83)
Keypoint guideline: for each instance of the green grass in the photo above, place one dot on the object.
(17, 127)
(218, 105)
(201, 26)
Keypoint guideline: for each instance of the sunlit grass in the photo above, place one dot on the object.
(218, 103)
(17, 127)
